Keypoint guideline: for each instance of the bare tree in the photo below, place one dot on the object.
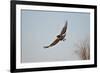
(84, 49)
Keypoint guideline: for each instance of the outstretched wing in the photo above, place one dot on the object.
(52, 44)
(64, 29)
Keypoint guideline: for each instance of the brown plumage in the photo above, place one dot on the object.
(60, 37)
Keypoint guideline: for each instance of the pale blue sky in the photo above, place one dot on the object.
(39, 28)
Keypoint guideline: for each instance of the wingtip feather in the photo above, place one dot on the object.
(46, 46)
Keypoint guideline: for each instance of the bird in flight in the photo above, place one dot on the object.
(60, 37)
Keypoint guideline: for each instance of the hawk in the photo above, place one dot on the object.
(60, 37)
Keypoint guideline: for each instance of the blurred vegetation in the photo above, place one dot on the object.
(84, 49)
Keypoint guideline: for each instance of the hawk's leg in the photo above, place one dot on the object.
(64, 39)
